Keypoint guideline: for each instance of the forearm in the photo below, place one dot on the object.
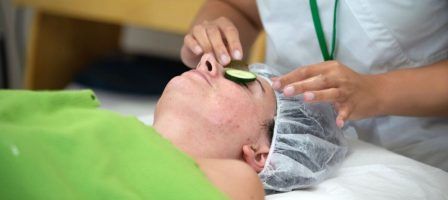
(243, 14)
(414, 92)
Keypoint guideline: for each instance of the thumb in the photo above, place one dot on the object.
(343, 115)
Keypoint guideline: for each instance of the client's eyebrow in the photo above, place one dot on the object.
(261, 85)
(269, 127)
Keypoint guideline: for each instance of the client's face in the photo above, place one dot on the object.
(217, 117)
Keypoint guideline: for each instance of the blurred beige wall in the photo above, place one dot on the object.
(134, 39)
(139, 40)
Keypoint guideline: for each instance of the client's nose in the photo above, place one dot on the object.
(209, 65)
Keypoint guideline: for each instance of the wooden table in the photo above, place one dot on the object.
(67, 34)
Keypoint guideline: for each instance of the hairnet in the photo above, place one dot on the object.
(306, 146)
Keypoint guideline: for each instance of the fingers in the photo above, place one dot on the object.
(314, 83)
(330, 95)
(274, 78)
(200, 35)
(188, 57)
(232, 37)
(327, 95)
(344, 111)
(193, 45)
(343, 114)
(330, 82)
(219, 37)
(301, 74)
(217, 43)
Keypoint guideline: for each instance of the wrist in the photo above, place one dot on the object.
(380, 95)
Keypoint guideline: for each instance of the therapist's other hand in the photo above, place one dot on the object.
(354, 95)
(220, 37)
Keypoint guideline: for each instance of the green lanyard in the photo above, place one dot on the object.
(320, 32)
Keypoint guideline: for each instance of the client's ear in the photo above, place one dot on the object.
(255, 155)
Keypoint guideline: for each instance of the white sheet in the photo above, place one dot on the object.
(371, 172)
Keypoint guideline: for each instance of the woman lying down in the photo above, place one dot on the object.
(211, 136)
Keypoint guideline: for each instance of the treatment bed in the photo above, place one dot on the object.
(369, 172)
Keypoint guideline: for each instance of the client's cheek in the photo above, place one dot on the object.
(232, 113)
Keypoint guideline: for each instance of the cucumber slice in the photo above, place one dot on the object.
(239, 76)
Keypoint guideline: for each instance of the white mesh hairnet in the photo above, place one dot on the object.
(306, 146)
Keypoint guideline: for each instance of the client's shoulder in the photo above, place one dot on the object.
(233, 177)
(229, 167)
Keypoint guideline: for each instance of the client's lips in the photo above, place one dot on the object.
(202, 75)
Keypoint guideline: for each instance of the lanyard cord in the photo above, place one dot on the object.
(320, 32)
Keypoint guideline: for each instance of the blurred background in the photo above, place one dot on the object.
(125, 50)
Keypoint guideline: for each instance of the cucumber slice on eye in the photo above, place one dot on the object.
(239, 76)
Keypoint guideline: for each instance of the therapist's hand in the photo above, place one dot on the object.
(354, 95)
(219, 37)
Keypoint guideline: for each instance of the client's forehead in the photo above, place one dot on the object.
(269, 92)
(267, 83)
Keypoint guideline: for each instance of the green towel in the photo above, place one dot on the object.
(59, 145)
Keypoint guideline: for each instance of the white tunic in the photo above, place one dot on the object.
(372, 37)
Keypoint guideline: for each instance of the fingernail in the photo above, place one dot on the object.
(288, 91)
(340, 123)
(225, 59)
(308, 96)
(276, 85)
(237, 55)
(197, 50)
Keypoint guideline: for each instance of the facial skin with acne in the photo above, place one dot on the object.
(215, 117)
(209, 116)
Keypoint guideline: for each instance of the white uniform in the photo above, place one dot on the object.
(372, 37)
